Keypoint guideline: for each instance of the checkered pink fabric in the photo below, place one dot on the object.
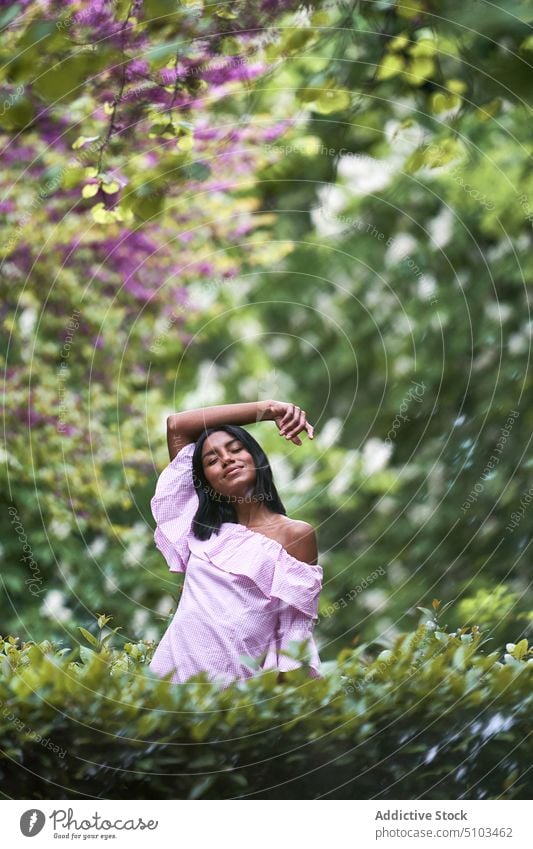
(244, 599)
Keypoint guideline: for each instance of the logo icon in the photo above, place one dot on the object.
(32, 822)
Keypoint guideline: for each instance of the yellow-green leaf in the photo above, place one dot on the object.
(110, 188)
(390, 66)
(410, 9)
(81, 141)
(227, 14)
(457, 86)
(333, 100)
(185, 143)
(419, 71)
(399, 42)
(441, 102)
(520, 649)
(100, 214)
(88, 636)
(90, 190)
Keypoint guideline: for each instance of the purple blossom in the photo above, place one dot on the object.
(137, 67)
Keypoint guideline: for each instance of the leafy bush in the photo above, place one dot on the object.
(432, 717)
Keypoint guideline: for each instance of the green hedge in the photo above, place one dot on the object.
(433, 717)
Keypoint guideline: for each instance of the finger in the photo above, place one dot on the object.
(288, 419)
(288, 416)
(310, 430)
(294, 425)
(298, 425)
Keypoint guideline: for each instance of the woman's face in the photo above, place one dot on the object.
(228, 466)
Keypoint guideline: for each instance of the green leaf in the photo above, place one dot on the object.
(391, 65)
(88, 636)
(63, 79)
(159, 9)
(520, 649)
(225, 13)
(200, 788)
(197, 171)
(87, 654)
(332, 100)
(10, 14)
(90, 190)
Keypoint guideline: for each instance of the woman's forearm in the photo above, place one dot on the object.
(193, 422)
(188, 426)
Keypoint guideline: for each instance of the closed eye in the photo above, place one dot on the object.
(233, 450)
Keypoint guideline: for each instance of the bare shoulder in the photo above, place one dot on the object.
(300, 540)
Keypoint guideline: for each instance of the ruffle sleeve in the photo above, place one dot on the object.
(293, 626)
(278, 575)
(173, 507)
(292, 585)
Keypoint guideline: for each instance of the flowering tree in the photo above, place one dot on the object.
(131, 135)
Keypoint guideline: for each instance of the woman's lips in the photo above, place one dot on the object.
(232, 471)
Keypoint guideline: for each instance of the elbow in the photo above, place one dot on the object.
(172, 422)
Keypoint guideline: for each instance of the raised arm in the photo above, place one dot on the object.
(186, 427)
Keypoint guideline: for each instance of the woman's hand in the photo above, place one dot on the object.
(291, 420)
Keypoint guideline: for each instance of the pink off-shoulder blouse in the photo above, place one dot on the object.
(244, 596)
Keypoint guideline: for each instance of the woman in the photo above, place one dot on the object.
(252, 580)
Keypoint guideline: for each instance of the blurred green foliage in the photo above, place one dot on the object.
(349, 229)
(433, 717)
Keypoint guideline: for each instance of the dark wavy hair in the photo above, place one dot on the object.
(215, 508)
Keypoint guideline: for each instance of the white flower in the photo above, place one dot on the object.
(97, 547)
(403, 245)
(364, 174)
(54, 608)
(61, 530)
(329, 433)
(376, 454)
(440, 228)
(27, 320)
(138, 620)
(165, 605)
(345, 477)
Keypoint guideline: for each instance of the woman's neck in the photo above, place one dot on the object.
(253, 515)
